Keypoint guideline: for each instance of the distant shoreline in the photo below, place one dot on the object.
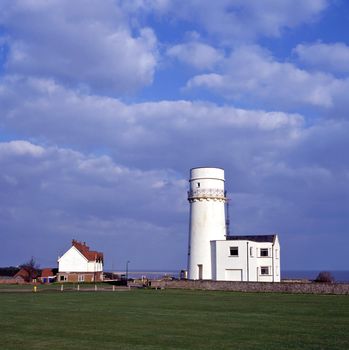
(339, 275)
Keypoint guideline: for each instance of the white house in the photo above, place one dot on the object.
(213, 253)
(80, 264)
(246, 258)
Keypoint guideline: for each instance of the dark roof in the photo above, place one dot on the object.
(254, 238)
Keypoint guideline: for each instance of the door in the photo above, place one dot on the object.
(233, 275)
(200, 271)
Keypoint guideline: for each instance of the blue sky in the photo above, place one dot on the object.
(106, 105)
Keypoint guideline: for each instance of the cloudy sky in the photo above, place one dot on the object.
(106, 105)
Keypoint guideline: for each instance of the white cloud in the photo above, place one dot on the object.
(86, 166)
(122, 180)
(196, 54)
(241, 20)
(43, 109)
(20, 148)
(329, 57)
(80, 43)
(252, 73)
(65, 193)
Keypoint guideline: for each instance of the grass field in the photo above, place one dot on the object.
(172, 319)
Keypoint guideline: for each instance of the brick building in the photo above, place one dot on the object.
(80, 264)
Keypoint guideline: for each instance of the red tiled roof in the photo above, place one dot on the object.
(47, 272)
(22, 273)
(90, 255)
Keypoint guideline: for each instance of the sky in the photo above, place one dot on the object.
(106, 105)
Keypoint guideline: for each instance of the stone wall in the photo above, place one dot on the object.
(264, 287)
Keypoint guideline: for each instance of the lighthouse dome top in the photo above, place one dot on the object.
(206, 173)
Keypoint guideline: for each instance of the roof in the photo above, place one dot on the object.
(254, 238)
(90, 255)
(48, 272)
(22, 273)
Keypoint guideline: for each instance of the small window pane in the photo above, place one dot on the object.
(264, 252)
(265, 270)
(234, 251)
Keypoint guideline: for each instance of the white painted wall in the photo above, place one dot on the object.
(207, 218)
(277, 263)
(74, 261)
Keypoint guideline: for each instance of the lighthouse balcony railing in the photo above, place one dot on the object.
(207, 193)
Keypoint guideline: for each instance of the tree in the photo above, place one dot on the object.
(325, 277)
(31, 268)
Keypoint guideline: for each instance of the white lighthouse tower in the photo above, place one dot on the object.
(207, 199)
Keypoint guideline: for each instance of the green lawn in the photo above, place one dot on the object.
(172, 319)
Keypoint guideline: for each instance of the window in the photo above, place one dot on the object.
(198, 185)
(234, 251)
(265, 270)
(62, 278)
(251, 251)
(81, 278)
(264, 252)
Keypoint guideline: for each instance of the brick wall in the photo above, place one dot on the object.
(282, 287)
(74, 276)
(13, 280)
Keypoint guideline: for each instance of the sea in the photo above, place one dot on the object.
(339, 276)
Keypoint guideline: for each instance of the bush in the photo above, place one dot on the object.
(324, 277)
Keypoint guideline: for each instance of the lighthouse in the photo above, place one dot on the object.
(207, 221)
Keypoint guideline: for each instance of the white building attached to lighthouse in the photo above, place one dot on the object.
(212, 253)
